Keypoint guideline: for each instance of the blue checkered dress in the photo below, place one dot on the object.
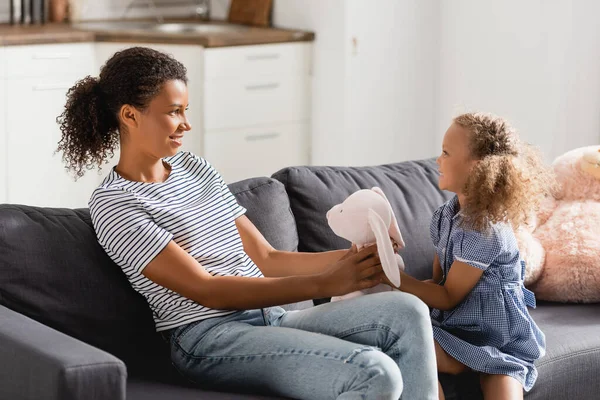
(491, 330)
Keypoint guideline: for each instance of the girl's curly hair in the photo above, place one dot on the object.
(90, 122)
(509, 180)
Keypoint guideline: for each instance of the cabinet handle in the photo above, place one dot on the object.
(257, 57)
(264, 86)
(51, 56)
(264, 136)
(51, 86)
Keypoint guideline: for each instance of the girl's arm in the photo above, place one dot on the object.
(461, 279)
(275, 263)
(437, 271)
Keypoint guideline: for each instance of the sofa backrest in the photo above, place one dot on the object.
(411, 187)
(269, 210)
(53, 270)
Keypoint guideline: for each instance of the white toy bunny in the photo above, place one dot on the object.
(364, 218)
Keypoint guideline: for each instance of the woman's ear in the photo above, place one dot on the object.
(129, 116)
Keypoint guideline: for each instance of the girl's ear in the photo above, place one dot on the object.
(473, 163)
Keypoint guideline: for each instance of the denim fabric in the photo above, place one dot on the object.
(378, 346)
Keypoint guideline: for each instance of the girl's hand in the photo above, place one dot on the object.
(356, 270)
(386, 281)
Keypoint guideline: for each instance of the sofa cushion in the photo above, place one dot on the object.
(53, 270)
(150, 390)
(571, 366)
(410, 186)
(269, 210)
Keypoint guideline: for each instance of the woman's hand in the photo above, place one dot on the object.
(356, 270)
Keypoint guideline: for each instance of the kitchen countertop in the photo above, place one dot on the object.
(65, 33)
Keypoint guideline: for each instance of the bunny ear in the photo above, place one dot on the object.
(384, 248)
(394, 229)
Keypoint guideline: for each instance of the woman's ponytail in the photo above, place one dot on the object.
(89, 128)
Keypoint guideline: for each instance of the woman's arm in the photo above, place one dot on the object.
(275, 263)
(461, 279)
(176, 270)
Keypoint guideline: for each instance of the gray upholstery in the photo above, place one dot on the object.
(571, 367)
(149, 390)
(411, 188)
(268, 207)
(53, 271)
(38, 362)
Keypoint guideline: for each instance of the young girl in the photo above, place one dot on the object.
(210, 277)
(480, 318)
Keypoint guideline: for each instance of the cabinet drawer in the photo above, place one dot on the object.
(37, 176)
(258, 60)
(243, 102)
(49, 60)
(258, 151)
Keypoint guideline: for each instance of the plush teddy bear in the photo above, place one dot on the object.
(561, 245)
(364, 218)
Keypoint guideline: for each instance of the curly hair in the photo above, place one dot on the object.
(90, 124)
(509, 180)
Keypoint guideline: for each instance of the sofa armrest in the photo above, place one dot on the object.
(38, 362)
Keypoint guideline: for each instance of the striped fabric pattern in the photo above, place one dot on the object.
(193, 207)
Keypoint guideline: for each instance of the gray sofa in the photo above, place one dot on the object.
(71, 327)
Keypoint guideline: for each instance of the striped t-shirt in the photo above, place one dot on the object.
(134, 221)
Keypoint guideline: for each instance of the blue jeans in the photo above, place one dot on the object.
(378, 346)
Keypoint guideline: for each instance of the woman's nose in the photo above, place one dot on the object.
(186, 126)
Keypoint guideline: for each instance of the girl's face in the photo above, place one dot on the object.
(161, 126)
(455, 162)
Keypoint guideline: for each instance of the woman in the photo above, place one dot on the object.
(211, 279)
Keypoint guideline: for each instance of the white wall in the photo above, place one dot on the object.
(419, 63)
(535, 62)
(391, 99)
(374, 77)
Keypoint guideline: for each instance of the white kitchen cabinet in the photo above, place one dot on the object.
(191, 56)
(45, 60)
(258, 60)
(248, 106)
(257, 108)
(261, 150)
(35, 96)
(36, 175)
(235, 103)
